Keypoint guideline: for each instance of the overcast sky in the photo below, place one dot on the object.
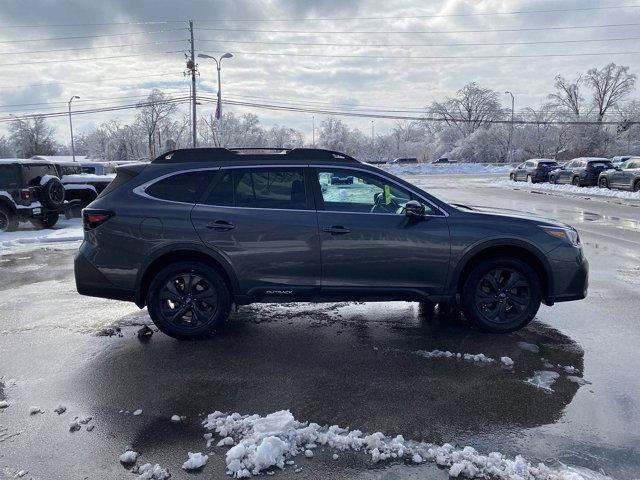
(332, 82)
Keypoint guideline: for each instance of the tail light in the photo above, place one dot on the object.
(94, 218)
(26, 194)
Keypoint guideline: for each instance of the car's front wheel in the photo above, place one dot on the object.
(575, 182)
(8, 220)
(188, 300)
(636, 186)
(603, 183)
(501, 295)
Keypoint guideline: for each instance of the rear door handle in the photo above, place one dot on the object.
(336, 230)
(220, 225)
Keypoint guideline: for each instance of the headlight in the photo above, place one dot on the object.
(567, 234)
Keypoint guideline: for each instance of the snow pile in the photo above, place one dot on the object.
(506, 361)
(452, 168)
(137, 412)
(129, 457)
(27, 238)
(4, 404)
(529, 347)
(469, 357)
(572, 189)
(196, 461)
(175, 418)
(266, 442)
(543, 379)
(33, 410)
(87, 177)
(151, 472)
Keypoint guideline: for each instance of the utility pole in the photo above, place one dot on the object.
(191, 65)
(313, 130)
(73, 150)
(511, 125)
(372, 141)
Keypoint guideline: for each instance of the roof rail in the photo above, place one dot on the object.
(209, 154)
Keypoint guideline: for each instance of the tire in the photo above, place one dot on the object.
(603, 183)
(8, 220)
(575, 181)
(51, 194)
(512, 177)
(171, 287)
(636, 186)
(45, 222)
(506, 310)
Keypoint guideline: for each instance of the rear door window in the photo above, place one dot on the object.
(185, 187)
(270, 188)
(9, 176)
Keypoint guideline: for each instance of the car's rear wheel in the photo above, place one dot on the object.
(575, 181)
(603, 183)
(512, 177)
(45, 222)
(501, 295)
(636, 186)
(8, 220)
(552, 179)
(188, 300)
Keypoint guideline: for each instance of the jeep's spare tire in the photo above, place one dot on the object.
(51, 194)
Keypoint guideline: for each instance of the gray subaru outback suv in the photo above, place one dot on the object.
(197, 230)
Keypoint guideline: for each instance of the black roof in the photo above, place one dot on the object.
(191, 155)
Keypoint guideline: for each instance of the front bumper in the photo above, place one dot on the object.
(570, 276)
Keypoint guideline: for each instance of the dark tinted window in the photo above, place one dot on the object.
(183, 187)
(69, 169)
(270, 188)
(33, 173)
(222, 191)
(88, 169)
(9, 176)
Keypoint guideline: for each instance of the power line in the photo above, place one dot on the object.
(86, 59)
(98, 80)
(373, 45)
(76, 37)
(402, 17)
(95, 48)
(406, 32)
(52, 25)
(434, 57)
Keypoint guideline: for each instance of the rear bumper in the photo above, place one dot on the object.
(90, 281)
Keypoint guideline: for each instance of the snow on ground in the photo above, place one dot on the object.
(27, 237)
(129, 457)
(571, 189)
(444, 169)
(195, 462)
(543, 379)
(469, 357)
(264, 443)
(151, 472)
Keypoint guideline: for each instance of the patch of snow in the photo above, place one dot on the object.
(175, 418)
(226, 441)
(569, 368)
(279, 435)
(21, 473)
(87, 177)
(543, 379)
(65, 231)
(45, 178)
(79, 186)
(469, 357)
(4, 404)
(308, 453)
(578, 380)
(137, 412)
(196, 461)
(451, 168)
(571, 189)
(129, 457)
(506, 361)
(151, 472)
(335, 456)
(33, 410)
(530, 347)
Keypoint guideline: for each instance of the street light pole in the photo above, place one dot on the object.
(513, 101)
(73, 150)
(219, 103)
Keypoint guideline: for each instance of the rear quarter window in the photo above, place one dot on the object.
(185, 187)
(9, 176)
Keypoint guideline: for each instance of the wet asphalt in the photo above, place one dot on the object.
(351, 364)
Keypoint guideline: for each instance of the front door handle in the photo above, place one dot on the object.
(336, 230)
(221, 225)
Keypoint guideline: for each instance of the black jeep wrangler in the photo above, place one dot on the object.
(30, 190)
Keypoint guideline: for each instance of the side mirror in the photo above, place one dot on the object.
(414, 209)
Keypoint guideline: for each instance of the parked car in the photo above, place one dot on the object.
(618, 159)
(534, 170)
(405, 160)
(83, 187)
(30, 191)
(442, 160)
(626, 176)
(97, 168)
(581, 172)
(198, 230)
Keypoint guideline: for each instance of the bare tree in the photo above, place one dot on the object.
(6, 151)
(155, 111)
(32, 137)
(610, 84)
(567, 95)
(472, 108)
